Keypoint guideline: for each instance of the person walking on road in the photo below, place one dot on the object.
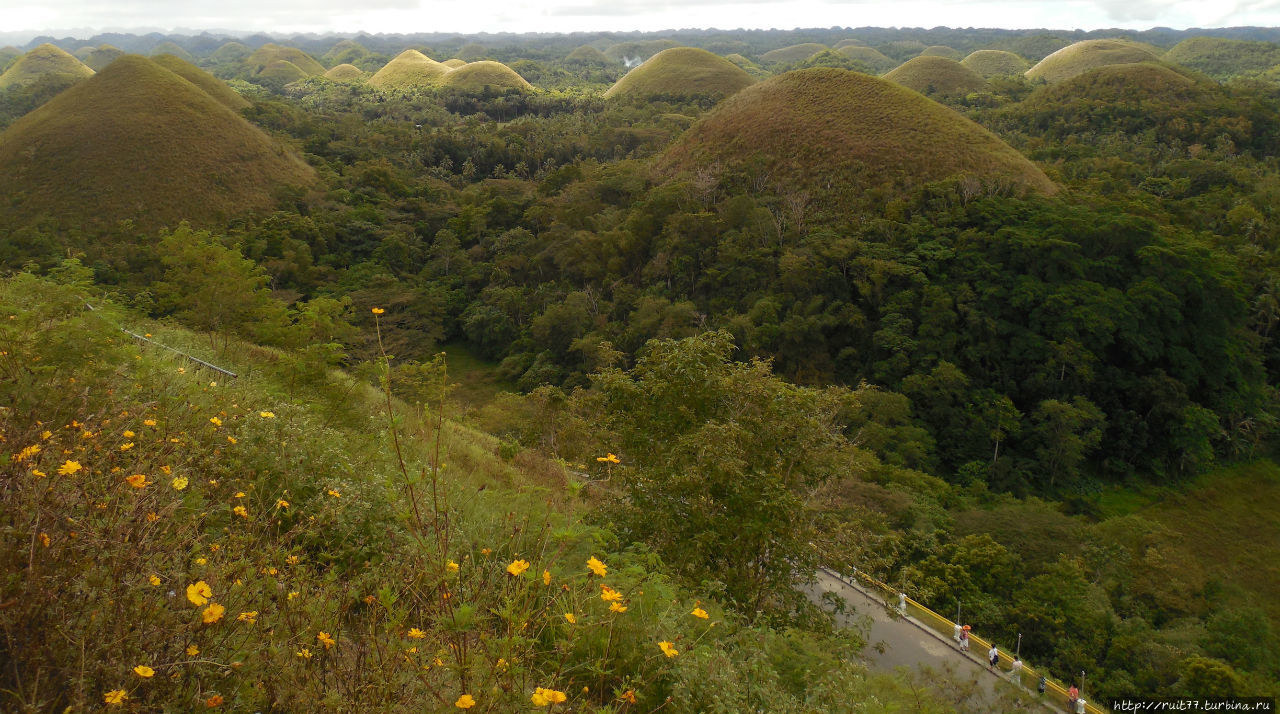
(993, 655)
(1073, 695)
(964, 638)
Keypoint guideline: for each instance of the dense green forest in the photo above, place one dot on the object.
(995, 395)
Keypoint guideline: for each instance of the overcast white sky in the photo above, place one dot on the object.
(573, 15)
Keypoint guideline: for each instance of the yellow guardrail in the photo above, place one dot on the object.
(1029, 677)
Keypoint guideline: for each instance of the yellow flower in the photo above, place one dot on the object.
(126, 446)
(192, 650)
(416, 634)
(166, 470)
(249, 617)
(38, 473)
(608, 594)
(27, 453)
(239, 494)
(546, 577)
(44, 539)
(378, 311)
(267, 415)
(180, 483)
(213, 702)
(597, 567)
(571, 618)
(154, 580)
(128, 434)
(610, 459)
(304, 653)
(465, 702)
(149, 422)
(282, 503)
(451, 566)
(334, 493)
(69, 467)
(325, 639)
(699, 613)
(667, 649)
(138, 481)
(212, 614)
(542, 697)
(240, 511)
(215, 421)
(152, 517)
(629, 696)
(518, 567)
(231, 440)
(201, 561)
(199, 593)
(144, 671)
(46, 435)
(485, 551)
(292, 560)
(115, 696)
(501, 664)
(617, 607)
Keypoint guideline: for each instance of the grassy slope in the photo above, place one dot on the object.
(454, 63)
(102, 56)
(995, 63)
(43, 61)
(869, 56)
(487, 73)
(942, 51)
(282, 70)
(139, 142)
(211, 85)
(1090, 54)
(409, 70)
(830, 131)
(939, 74)
(587, 54)
(345, 73)
(172, 48)
(231, 52)
(793, 53)
(1220, 57)
(267, 54)
(682, 71)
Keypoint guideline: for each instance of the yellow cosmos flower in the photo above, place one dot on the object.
(292, 560)
(571, 618)
(239, 494)
(215, 421)
(179, 483)
(212, 614)
(334, 493)
(201, 561)
(608, 594)
(597, 567)
(282, 503)
(213, 702)
(629, 696)
(231, 440)
(325, 639)
(617, 607)
(465, 702)
(609, 459)
(149, 422)
(27, 453)
(44, 539)
(699, 613)
(416, 634)
(542, 697)
(138, 481)
(166, 470)
(451, 566)
(199, 593)
(485, 551)
(128, 434)
(154, 580)
(293, 594)
(126, 446)
(69, 467)
(546, 577)
(667, 649)
(518, 567)
(240, 511)
(192, 650)
(152, 517)
(249, 617)
(378, 311)
(115, 697)
(144, 671)
(304, 653)
(267, 415)
(38, 473)
(46, 435)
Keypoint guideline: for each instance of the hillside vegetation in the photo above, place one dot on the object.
(139, 142)
(682, 71)
(268, 55)
(208, 83)
(792, 53)
(46, 62)
(409, 70)
(1090, 54)
(995, 63)
(345, 73)
(936, 75)
(869, 56)
(476, 76)
(1220, 57)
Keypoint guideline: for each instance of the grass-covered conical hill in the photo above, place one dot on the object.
(345, 73)
(454, 63)
(941, 51)
(792, 53)
(476, 76)
(267, 55)
(682, 71)
(589, 55)
(995, 63)
(100, 57)
(870, 56)
(138, 142)
(8, 54)
(44, 62)
(937, 75)
(409, 70)
(282, 71)
(1090, 54)
(345, 52)
(171, 48)
(848, 42)
(211, 85)
(1220, 57)
(838, 134)
(231, 52)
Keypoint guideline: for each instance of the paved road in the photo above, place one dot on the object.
(895, 643)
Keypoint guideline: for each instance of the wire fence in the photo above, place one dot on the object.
(1027, 677)
(148, 340)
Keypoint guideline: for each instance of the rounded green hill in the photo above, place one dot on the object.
(793, 53)
(869, 56)
(345, 73)
(454, 63)
(638, 50)
(171, 48)
(995, 63)
(231, 52)
(682, 71)
(409, 70)
(1089, 54)
(42, 62)
(847, 137)
(1221, 58)
(937, 75)
(587, 54)
(476, 76)
(210, 84)
(138, 142)
(8, 54)
(344, 52)
(102, 56)
(941, 51)
(848, 42)
(282, 71)
(269, 54)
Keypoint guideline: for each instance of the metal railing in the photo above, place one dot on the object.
(1028, 677)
